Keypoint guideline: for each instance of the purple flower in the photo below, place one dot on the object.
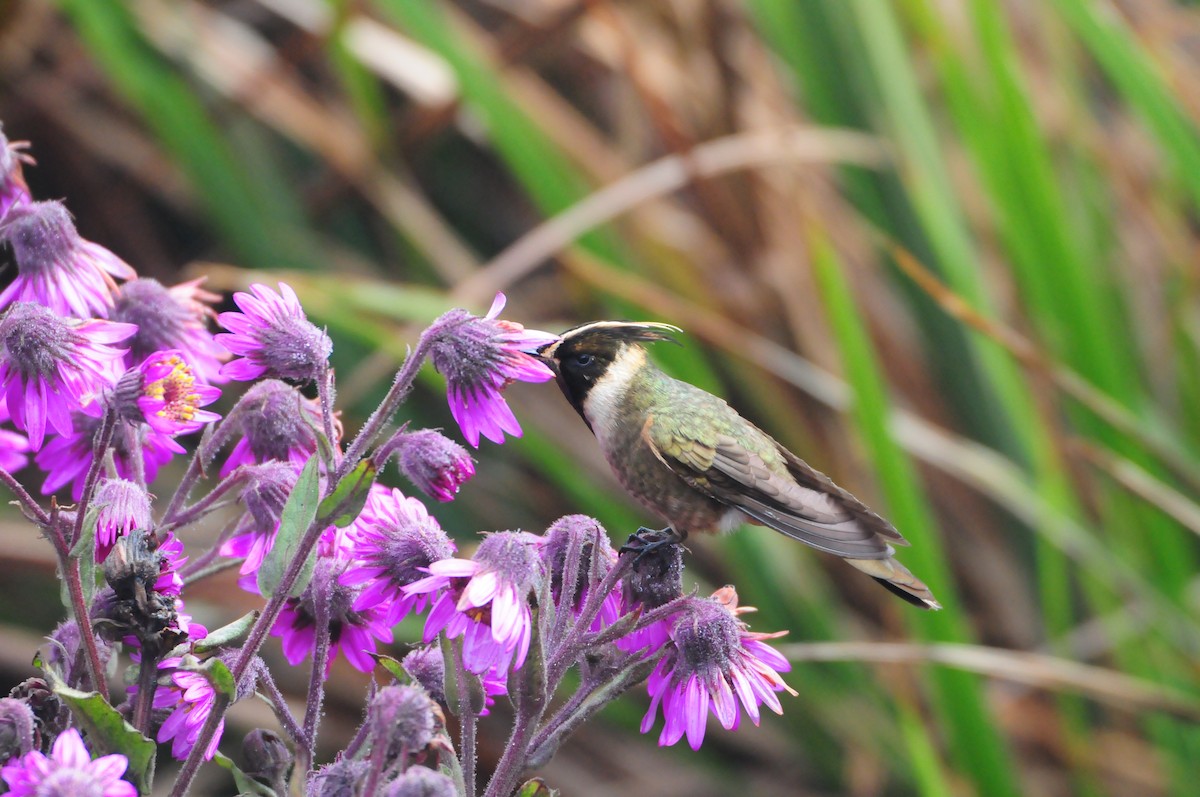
(190, 697)
(166, 395)
(272, 336)
(13, 190)
(68, 770)
(14, 447)
(580, 538)
(66, 459)
(393, 541)
(51, 366)
(713, 662)
(121, 506)
(479, 358)
(354, 632)
(276, 422)
(56, 268)
(171, 318)
(434, 463)
(485, 600)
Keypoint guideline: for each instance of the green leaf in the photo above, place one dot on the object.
(298, 515)
(342, 506)
(84, 551)
(226, 635)
(108, 732)
(246, 785)
(536, 788)
(393, 666)
(218, 675)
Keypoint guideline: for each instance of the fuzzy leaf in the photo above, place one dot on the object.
(246, 785)
(226, 635)
(393, 666)
(342, 506)
(108, 732)
(298, 515)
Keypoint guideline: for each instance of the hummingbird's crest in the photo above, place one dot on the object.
(608, 335)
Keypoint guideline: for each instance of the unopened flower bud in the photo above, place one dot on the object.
(434, 463)
(16, 728)
(267, 759)
(275, 422)
(49, 711)
(576, 536)
(418, 781)
(122, 506)
(267, 489)
(427, 667)
(402, 717)
(338, 779)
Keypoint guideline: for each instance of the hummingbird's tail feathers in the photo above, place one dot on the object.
(897, 579)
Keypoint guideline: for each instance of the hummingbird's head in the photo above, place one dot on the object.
(600, 352)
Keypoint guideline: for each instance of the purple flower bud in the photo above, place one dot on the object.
(272, 336)
(577, 536)
(170, 318)
(339, 779)
(276, 423)
(13, 190)
(122, 506)
(56, 268)
(479, 358)
(418, 781)
(16, 729)
(51, 366)
(266, 493)
(431, 461)
(402, 718)
(268, 759)
(66, 654)
(426, 666)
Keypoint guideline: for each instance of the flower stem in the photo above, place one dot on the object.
(401, 386)
(73, 576)
(327, 393)
(467, 719)
(147, 683)
(100, 444)
(278, 704)
(321, 594)
(24, 498)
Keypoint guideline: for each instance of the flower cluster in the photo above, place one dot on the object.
(105, 375)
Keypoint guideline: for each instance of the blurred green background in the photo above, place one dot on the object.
(945, 250)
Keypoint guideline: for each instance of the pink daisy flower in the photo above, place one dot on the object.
(393, 541)
(190, 698)
(272, 336)
(57, 268)
(712, 663)
(479, 358)
(168, 396)
(69, 769)
(51, 366)
(485, 600)
(171, 318)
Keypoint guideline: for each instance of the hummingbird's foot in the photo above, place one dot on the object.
(646, 541)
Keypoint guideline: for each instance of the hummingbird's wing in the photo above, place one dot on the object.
(775, 488)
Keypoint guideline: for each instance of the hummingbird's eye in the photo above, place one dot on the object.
(584, 360)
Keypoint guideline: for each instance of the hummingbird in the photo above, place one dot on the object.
(693, 460)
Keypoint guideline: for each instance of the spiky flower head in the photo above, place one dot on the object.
(51, 366)
(485, 600)
(272, 336)
(275, 422)
(434, 463)
(393, 542)
(56, 267)
(170, 318)
(419, 781)
(479, 358)
(121, 506)
(654, 580)
(341, 778)
(579, 555)
(425, 665)
(714, 662)
(68, 771)
(163, 392)
(402, 717)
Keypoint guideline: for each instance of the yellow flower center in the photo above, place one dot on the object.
(176, 391)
